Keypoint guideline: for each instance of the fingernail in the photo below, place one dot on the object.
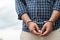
(39, 31)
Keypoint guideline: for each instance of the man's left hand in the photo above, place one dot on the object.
(47, 28)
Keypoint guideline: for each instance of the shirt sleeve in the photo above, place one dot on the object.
(20, 8)
(56, 5)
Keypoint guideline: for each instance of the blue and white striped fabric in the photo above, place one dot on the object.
(38, 10)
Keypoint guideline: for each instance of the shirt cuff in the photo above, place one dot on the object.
(19, 16)
(56, 8)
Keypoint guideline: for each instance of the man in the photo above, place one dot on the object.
(40, 17)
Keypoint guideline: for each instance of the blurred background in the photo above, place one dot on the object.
(10, 26)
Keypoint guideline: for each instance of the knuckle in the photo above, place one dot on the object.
(31, 30)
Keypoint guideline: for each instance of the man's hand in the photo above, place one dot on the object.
(47, 28)
(33, 27)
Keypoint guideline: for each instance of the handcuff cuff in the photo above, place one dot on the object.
(41, 22)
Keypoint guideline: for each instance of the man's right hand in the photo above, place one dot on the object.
(33, 27)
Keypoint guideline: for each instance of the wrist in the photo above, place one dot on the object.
(50, 22)
(53, 21)
(29, 22)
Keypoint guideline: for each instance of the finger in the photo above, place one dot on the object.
(45, 33)
(37, 28)
(43, 29)
(34, 32)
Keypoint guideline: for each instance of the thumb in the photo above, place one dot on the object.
(43, 29)
(37, 28)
